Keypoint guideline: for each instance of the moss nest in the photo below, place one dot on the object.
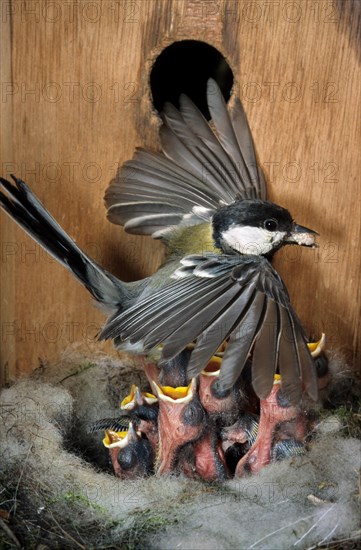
(58, 489)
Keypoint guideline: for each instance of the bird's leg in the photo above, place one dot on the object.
(274, 411)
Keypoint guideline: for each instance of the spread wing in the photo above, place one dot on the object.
(214, 298)
(201, 168)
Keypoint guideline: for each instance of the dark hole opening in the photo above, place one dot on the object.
(185, 67)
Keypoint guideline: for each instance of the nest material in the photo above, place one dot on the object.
(58, 489)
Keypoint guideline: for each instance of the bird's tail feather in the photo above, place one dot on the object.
(23, 206)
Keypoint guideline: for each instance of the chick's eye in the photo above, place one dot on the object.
(271, 224)
(193, 414)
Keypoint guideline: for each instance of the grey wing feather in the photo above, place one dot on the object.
(209, 168)
(205, 315)
(150, 315)
(289, 363)
(217, 331)
(200, 127)
(225, 298)
(235, 137)
(241, 341)
(246, 146)
(120, 424)
(199, 170)
(306, 364)
(265, 354)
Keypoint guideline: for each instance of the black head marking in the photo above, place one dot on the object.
(251, 212)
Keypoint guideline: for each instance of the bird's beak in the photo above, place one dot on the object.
(114, 439)
(120, 439)
(302, 236)
(181, 394)
(213, 368)
(137, 398)
(316, 348)
(129, 401)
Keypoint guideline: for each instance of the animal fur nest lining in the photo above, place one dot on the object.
(58, 489)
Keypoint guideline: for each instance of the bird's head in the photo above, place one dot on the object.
(130, 453)
(257, 227)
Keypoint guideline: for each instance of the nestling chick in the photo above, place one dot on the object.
(131, 455)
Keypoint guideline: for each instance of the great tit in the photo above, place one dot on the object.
(204, 196)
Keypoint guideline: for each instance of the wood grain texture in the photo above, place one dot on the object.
(76, 102)
(7, 283)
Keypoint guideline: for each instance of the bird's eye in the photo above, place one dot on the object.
(271, 225)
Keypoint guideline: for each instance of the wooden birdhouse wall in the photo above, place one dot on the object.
(76, 101)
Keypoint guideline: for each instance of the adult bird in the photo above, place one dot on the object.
(204, 196)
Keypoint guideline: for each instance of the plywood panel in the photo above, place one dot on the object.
(75, 102)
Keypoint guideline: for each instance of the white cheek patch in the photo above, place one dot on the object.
(252, 240)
